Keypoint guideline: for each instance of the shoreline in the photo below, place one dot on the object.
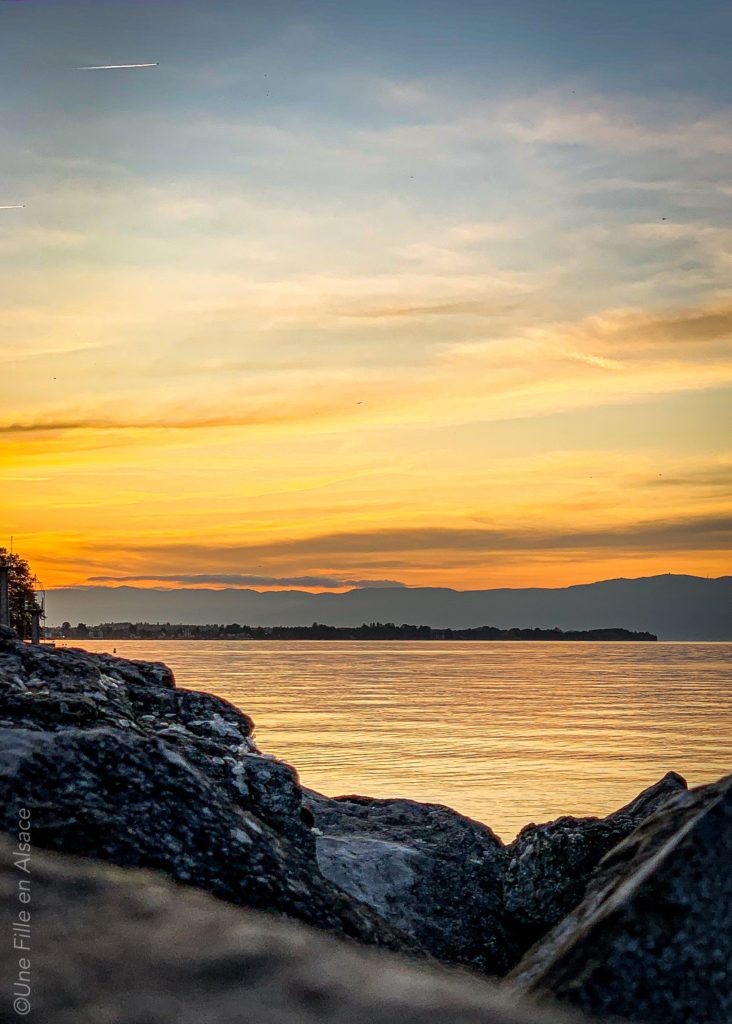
(375, 632)
(115, 743)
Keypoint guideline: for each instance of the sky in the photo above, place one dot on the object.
(338, 293)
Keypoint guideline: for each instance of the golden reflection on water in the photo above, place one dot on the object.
(505, 732)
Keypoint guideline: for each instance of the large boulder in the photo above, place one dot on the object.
(548, 866)
(124, 946)
(429, 871)
(652, 938)
(450, 882)
(117, 764)
(56, 689)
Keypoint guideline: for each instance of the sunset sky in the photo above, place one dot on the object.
(433, 293)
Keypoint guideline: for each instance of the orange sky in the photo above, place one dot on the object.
(551, 499)
(397, 325)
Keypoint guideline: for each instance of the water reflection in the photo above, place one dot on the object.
(504, 732)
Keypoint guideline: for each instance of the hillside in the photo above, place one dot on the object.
(672, 607)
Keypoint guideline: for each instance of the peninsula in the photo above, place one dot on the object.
(319, 631)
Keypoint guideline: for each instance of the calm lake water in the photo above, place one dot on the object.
(505, 732)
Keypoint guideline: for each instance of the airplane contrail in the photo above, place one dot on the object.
(113, 67)
(16, 206)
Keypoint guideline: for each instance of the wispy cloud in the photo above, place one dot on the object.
(315, 582)
(402, 94)
(703, 532)
(465, 308)
(511, 369)
(556, 117)
(560, 115)
(593, 360)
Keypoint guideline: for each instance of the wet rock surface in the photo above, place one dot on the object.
(114, 946)
(652, 938)
(431, 872)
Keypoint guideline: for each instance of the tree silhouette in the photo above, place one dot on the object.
(21, 591)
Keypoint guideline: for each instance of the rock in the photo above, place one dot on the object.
(451, 884)
(124, 946)
(429, 871)
(134, 801)
(550, 865)
(7, 635)
(117, 764)
(652, 939)
(548, 869)
(651, 799)
(61, 688)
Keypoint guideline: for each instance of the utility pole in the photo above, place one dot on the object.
(35, 624)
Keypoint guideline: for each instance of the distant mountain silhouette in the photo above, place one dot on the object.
(672, 607)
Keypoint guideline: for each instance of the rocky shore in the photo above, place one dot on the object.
(625, 917)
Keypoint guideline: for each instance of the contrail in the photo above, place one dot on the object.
(113, 67)
(17, 206)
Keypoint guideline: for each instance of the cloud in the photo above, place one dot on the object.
(244, 580)
(46, 240)
(461, 308)
(464, 129)
(692, 533)
(594, 360)
(292, 408)
(707, 479)
(513, 368)
(554, 118)
(640, 335)
(402, 94)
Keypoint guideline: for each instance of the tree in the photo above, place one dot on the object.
(21, 591)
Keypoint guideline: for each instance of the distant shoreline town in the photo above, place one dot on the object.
(319, 631)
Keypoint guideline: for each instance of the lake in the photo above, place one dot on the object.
(504, 732)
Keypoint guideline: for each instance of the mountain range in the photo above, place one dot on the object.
(671, 606)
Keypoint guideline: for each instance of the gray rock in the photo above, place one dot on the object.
(54, 689)
(120, 765)
(651, 799)
(652, 939)
(136, 802)
(429, 871)
(449, 881)
(375, 871)
(550, 865)
(113, 946)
